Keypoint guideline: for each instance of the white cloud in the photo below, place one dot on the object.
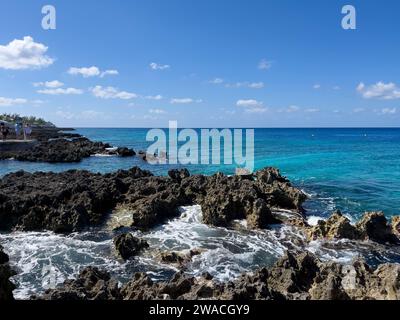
(379, 90)
(9, 102)
(290, 109)
(24, 54)
(311, 110)
(157, 97)
(112, 93)
(184, 100)
(388, 111)
(156, 66)
(256, 110)
(60, 91)
(92, 71)
(336, 88)
(252, 85)
(249, 103)
(157, 111)
(316, 86)
(264, 64)
(256, 85)
(85, 72)
(109, 73)
(84, 115)
(216, 81)
(49, 84)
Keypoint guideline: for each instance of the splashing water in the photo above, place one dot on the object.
(45, 259)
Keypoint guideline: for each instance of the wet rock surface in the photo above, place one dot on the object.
(372, 226)
(91, 284)
(179, 259)
(6, 286)
(61, 202)
(56, 146)
(296, 276)
(128, 246)
(72, 200)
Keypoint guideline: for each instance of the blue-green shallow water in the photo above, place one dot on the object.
(350, 169)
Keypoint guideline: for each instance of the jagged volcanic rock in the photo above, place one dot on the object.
(296, 276)
(6, 286)
(127, 245)
(71, 200)
(372, 226)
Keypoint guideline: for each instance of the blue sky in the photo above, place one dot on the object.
(203, 63)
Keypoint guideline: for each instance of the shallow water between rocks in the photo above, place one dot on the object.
(45, 259)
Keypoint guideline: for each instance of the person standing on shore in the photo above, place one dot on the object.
(17, 130)
(27, 131)
(4, 131)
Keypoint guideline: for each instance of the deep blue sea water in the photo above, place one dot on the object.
(354, 170)
(349, 169)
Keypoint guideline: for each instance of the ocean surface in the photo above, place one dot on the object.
(354, 170)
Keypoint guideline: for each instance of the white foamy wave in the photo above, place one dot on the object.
(226, 253)
(44, 259)
(308, 194)
(102, 155)
(313, 220)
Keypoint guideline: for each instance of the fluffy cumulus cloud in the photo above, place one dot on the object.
(9, 102)
(24, 54)
(92, 71)
(379, 90)
(109, 73)
(112, 93)
(184, 100)
(85, 72)
(49, 84)
(251, 105)
(55, 88)
(157, 66)
(60, 91)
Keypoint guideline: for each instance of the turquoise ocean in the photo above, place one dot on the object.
(354, 170)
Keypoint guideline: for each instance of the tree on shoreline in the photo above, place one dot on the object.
(13, 118)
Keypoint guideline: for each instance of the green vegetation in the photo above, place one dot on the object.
(13, 118)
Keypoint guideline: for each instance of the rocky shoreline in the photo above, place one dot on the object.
(296, 276)
(54, 145)
(74, 200)
(6, 286)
